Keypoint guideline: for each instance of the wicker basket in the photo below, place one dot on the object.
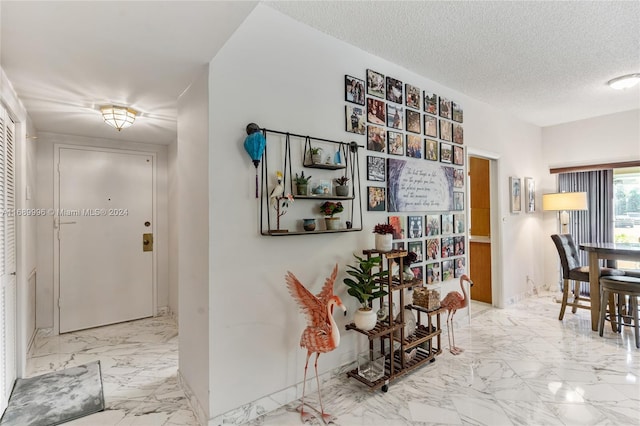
(426, 298)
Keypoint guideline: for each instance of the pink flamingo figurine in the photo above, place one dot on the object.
(321, 334)
(452, 302)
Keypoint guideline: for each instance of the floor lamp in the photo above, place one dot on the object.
(563, 202)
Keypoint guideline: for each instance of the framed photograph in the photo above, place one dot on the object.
(412, 96)
(395, 143)
(446, 152)
(376, 199)
(414, 146)
(530, 194)
(394, 90)
(458, 133)
(413, 121)
(376, 170)
(354, 119)
(376, 112)
(446, 247)
(447, 224)
(414, 226)
(458, 155)
(397, 222)
(515, 191)
(445, 130)
(430, 103)
(395, 116)
(417, 272)
(321, 187)
(458, 201)
(458, 178)
(460, 269)
(433, 249)
(457, 112)
(431, 149)
(375, 84)
(416, 247)
(353, 90)
(445, 108)
(430, 126)
(433, 273)
(458, 246)
(397, 245)
(458, 223)
(433, 225)
(447, 270)
(376, 138)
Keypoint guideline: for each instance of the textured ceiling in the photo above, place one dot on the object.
(546, 62)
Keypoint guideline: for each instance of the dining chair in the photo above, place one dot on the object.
(572, 270)
(623, 307)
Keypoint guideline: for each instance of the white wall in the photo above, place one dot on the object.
(45, 231)
(172, 199)
(193, 242)
(286, 76)
(606, 139)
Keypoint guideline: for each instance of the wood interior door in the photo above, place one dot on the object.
(480, 232)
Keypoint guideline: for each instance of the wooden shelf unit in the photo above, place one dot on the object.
(426, 340)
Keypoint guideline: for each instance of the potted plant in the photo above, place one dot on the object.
(342, 189)
(384, 236)
(365, 286)
(329, 208)
(301, 183)
(315, 155)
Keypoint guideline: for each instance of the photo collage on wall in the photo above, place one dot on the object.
(401, 120)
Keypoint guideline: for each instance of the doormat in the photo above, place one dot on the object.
(55, 398)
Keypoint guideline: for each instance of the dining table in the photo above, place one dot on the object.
(612, 251)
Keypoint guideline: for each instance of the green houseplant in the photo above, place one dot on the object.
(302, 183)
(342, 189)
(365, 285)
(329, 208)
(315, 155)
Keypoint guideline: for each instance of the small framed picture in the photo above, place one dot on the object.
(530, 194)
(433, 249)
(353, 90)
(458, 155)
(376, 199)
(416, 247)
(431, 149)
(417, 272)
(376, 111)
(375, 84)
(376, 138)
(446, 247)
(398, 227)
(376, 168)
(397, 245)
(354, 119)
(458, 201)
(457, 112)
(413, 121)
(460, 269)
(447, 224)
(433, 225)
(445, 108)
(458, 178)
(430, 126)
(395, 116)
(395, 143)
(414, 146)
(430, 103)
(433, 273)
(394, 90)
(414, 226)
(447, 270)
(515, 200)
(412, 96)
(446, 152)
(458, 246)
(445, 130)
(321, 187)
(458, 133)
(458, 223)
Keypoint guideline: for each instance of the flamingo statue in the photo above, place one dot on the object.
(321, 334)
(452, 302)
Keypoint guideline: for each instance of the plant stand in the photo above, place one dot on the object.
(423, 345)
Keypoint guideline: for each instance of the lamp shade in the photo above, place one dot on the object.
(118, 116)
(563, 201)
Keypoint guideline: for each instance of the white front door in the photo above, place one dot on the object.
(105, 208)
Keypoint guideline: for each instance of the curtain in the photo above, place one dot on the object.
(595, 224)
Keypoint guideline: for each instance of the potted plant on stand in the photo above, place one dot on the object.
(365, 287)
(342, 190)
(384, 236)
(329, 208)
(302, 183)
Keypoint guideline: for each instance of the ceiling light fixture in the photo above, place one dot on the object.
(118, 116)
(624, 82)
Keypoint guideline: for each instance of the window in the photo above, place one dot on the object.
(626, 205)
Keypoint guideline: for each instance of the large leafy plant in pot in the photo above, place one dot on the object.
(365, 285)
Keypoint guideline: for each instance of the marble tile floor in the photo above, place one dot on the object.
(521, 366)
(139, 362)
